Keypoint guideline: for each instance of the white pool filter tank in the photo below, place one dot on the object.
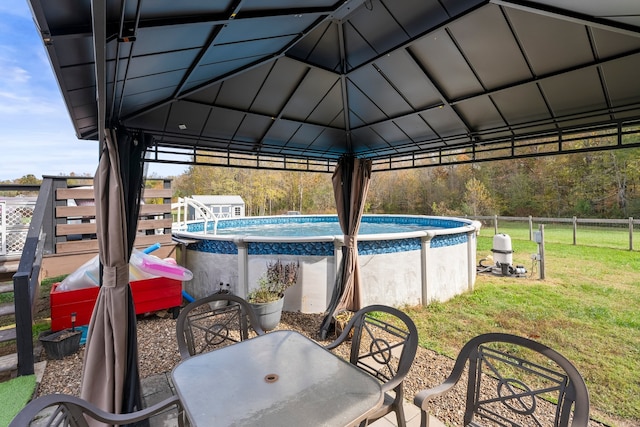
(502, 251)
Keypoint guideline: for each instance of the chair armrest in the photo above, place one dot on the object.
(33, 408)
(424, 396)
(342, 338)
(338, 340)
(332, 345)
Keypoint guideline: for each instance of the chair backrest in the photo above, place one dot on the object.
(513, 381)
(62, 410)
(384, 341)
(213, 322)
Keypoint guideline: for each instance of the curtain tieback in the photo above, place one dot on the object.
(112, 276)
(350, 241)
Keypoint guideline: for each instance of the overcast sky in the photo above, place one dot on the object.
(36, 135)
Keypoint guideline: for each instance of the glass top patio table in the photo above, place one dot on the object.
(277, 379)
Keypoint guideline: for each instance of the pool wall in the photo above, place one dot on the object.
(397, 269)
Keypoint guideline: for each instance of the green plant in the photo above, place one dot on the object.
(277, 279)
(47, 282)
(6, 297)
(341, 319)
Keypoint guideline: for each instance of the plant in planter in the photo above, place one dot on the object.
(267, 300)
(60, 344)
(341, 319)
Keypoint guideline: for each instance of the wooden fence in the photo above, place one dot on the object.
(75, 216)
(614, 233)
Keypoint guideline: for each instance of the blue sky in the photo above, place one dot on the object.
(36, 134)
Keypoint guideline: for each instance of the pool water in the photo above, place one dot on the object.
(309, 229)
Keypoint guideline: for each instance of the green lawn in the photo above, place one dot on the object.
(587, 308)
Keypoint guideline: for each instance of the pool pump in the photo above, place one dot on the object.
(503, 257)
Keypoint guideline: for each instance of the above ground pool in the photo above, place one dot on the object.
(404, 259)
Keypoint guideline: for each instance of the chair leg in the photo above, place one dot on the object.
(398, 406)
(399, 409)
(182, 419)
(424, 419)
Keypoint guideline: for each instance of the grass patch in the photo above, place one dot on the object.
(47, 283)
(41, 319)
(14, 395)
(6, 297)
(586, 308)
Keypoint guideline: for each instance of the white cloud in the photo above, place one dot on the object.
(37, 136)
(11, 74)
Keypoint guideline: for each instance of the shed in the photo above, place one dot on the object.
(225, 206)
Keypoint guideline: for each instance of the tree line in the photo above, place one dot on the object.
(601, 184)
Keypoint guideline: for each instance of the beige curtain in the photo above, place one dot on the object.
(350, 186)
(105, 360)
(110, 376)
(350, 217)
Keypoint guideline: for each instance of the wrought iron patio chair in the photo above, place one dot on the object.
(213, 322)
(62, 410)
(512, 381)
(384, 341)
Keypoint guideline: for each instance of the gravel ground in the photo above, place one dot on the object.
(158, 353)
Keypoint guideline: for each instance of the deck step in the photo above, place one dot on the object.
(6, 287)
(7, 334)
(7, 309)
(9, 362)
(9, 267)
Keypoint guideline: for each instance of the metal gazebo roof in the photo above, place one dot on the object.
(301, 82)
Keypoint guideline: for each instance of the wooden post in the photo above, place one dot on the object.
(166, 184)
(541, 251)
(575, 226)
(24, 322)
(530, 227)
(630, 233)
(495, 224)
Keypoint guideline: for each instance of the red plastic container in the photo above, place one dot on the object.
(159, 293)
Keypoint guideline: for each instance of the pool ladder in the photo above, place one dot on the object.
(182, 219)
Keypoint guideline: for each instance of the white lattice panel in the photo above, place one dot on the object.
(3, 229)
(16, 219)
(15, 242)
(19, 215)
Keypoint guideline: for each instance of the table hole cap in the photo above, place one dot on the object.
(271, 378)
